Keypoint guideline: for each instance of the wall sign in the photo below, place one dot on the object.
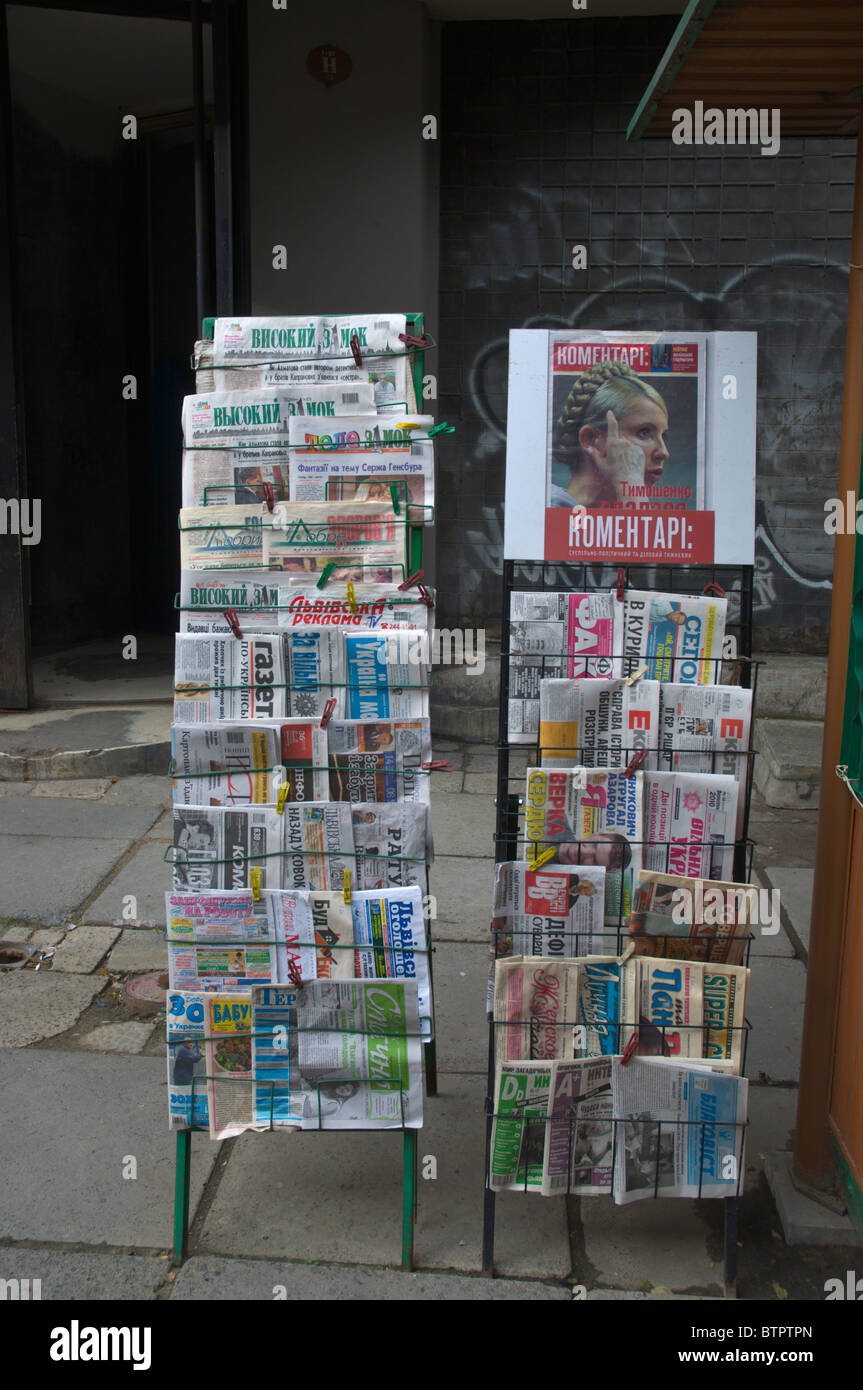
(328, 64)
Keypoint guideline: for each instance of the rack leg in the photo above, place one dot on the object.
(182, 1176)
(730, 1204)
(488, 1233)
(430, 1055)
(409, 1197)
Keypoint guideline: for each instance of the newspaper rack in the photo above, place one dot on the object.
(736, 583)
(416, 342)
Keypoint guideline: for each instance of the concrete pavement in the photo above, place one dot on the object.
(87, 1159)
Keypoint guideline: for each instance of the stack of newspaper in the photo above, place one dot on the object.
(300, 984)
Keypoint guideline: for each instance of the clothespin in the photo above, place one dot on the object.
(230, 615)
(630, 1050)
(355, 349)
(407, 425)
(283, 796)
(442, 428)
(714, 589)
(411, 340)
(636, 676)
(347, 886)
(394, 494)
(329, 711)
(412, 579)
(269, 496)
(325, 574)
(540, 859)
(352, 596)
(294, 974)
(255, 881)
(425, 596)
(636, 762)
(621, 584)
(437, 765)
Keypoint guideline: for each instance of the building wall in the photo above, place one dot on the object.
(534, 159)
(341, 176)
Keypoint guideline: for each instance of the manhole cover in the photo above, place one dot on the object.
(147, 991)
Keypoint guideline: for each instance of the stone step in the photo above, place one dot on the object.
(791, 687)
(85, 741)
(788, 766)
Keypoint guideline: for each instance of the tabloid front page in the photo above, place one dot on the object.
(690, 823)
(271, 601)
(228, 678)
(355, 458)
(393, 844)
(691, 918)
(552, 1129)
(318, 845)
(678, 638)
(552, 635)
(598, 723)
(379, 760)
(225, 764)
(705, 728)
(556, 910)
(216, 846)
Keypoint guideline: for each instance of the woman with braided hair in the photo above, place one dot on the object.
(611, 436)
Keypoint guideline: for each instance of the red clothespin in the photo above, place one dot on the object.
(411, 340)
(269, 496)
(636, 762)
(412, 579)
(425, 596)
(329, 711)
(294, 974)
(230, 615)
(621, 584)
(355, 349)
(630, 1050)
(713, 589)
(437, 765)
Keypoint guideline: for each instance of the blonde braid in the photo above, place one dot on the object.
(576, 411)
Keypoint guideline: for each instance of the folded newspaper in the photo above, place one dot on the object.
(570, 635)
(215, 847)
(692, 918)
(598, 723)
(275, 351)
(556, 910)
(678, 638)
(225, 764)
(228, 678)
(354, 458)
(690, 823)
(382, 681)
(318, 847)
(552, 1130)
(271, 601)
(705, 728)
(685, 1009)
(680, 1130)
(337, 1054)
(589, 817)
(185, 1029)
(219, 941)
(379, 760)
(393, 844)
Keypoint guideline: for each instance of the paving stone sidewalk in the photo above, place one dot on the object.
(83, 1076)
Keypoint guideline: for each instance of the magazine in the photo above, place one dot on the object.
(185, 1015)
(393, 844)
(691, 918)
(680, 1130)
(555, 635)
(225, 764)
(338, 1054)
(356, 459)
(598, 723)
(652, 452)
(379, 760)
(589, 817)
(679, 639)
(690, 821)
(216, 846)
(705, 728)
(535, 1008)
(228, 678)
(557, 910)
(229, 1065)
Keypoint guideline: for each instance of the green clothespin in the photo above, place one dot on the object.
(442, 428)
(394, 494)
(325, 573)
